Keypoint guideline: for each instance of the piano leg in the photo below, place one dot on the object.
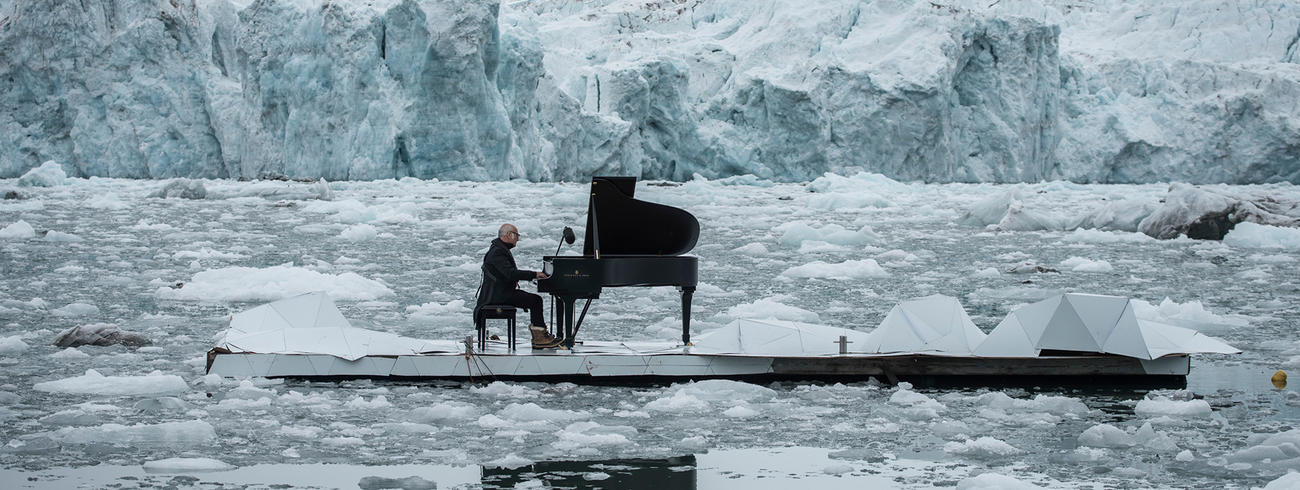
(687, 291)
(565, 325)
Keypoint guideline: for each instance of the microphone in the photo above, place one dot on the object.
(566, 237)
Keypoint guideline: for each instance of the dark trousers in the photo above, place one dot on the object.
(528, 301)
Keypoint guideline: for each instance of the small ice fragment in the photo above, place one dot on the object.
(186, 465)
(1106, 435)
(12, 345)
(18, 230)
(837, 469)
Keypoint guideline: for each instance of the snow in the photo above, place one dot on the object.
(186, 465)
(272, 283)
(18, 230)
(93, 383)
(1255, 236)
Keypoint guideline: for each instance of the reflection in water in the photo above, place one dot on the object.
(648, 474)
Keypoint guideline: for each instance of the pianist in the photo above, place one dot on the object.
(501, 285)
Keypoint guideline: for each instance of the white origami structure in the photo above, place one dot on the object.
(776, 338)
(935, 323)
(1091, 323)
(311, 324)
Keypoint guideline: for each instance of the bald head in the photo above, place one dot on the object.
(508, 233)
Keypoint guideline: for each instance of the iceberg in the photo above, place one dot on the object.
(944, 91)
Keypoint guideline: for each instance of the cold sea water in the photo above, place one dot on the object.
(403, 257)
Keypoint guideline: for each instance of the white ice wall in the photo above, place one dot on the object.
(950, 90)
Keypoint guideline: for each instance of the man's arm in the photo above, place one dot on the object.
(504, 266)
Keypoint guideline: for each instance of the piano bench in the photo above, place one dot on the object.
(495, 312)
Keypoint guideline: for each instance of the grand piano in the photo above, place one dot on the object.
(628, 243)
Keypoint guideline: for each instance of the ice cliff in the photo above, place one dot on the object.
(942, 90)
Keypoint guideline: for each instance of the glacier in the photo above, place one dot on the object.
(1105, 91)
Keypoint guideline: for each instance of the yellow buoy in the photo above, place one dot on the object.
(1279, 379)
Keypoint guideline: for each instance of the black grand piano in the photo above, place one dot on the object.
(627, 243)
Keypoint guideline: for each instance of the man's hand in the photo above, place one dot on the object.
(542, 275)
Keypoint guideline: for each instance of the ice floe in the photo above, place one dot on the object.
(93, 383)
(272, 283)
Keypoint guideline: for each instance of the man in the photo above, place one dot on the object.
(501, 285)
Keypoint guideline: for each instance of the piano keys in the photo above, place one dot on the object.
(628, 243)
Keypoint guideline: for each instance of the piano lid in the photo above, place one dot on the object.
(618, 224)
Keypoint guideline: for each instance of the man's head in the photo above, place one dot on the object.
(508, 233)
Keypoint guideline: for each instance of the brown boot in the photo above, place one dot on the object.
(543, 339)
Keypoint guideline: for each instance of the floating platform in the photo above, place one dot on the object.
(623, 362)
(1067, 340)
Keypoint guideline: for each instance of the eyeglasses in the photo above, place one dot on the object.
(514, 232)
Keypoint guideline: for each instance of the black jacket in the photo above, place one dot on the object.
(500, 276)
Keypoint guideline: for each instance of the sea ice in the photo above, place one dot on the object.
(587, 436)
(1154, 407)
(445, 412)
(93, 383)
(12, 345)
(983, 447)
(181, 189)
(1251, 235)
(186, 465)
(49, 174)
(505, 390)
(360, 232)
(1289, 481)
(740, 412)
(1192, 314)
(847, 270)
(794, 233)
(509, 461)
(76, 309)
(100, 334)
(1080, 264)
(273, 283)
(455, 308)
(772, 307)
(18, 230)
(531, 412)
(1106, 435)
(360, 403)
(994, 481)
(70, 353)
(677, 402)
(191, 432)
